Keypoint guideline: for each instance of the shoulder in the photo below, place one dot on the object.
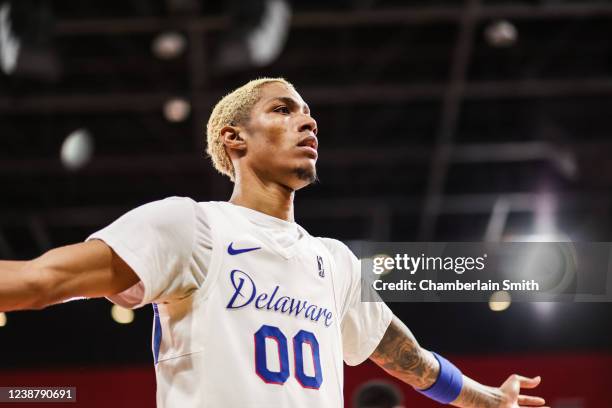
(170, 204)
(178, 203)
(169, 221)
(339, 250)
(167, 212)
(333, 245)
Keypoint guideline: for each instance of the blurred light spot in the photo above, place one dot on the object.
(545, 214)
(122, 315)
(9, 44)
(501, 33)
(544, 309)
(500, 301)
(169, 45)
(384, 257)
(2, 319)
(267, 41)
(566, 163)
(77, 149)
(259, 43)
(177, 109)
(556, 237)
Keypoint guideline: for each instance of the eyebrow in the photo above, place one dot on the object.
(292, 103)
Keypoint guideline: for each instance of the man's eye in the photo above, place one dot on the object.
(282, 109)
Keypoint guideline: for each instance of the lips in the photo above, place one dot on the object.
(309, 141)
(309, 145)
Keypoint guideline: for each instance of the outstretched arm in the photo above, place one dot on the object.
(401, 356)
(89, 269)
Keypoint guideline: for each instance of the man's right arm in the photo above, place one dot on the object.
(89, 269)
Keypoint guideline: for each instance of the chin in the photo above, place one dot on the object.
(305, 176)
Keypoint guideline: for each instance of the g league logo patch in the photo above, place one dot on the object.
(320, 266)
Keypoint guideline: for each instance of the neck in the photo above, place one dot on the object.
(267, 197)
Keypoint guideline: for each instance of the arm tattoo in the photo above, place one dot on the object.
(401, 356)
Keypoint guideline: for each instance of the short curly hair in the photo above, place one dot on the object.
(233, 109)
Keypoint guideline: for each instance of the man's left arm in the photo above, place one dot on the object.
(400, 355)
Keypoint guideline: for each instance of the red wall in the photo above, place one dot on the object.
(583, 378)
(117, 387)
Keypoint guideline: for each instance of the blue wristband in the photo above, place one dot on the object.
(448, 386)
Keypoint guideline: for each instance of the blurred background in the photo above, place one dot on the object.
(440, 120)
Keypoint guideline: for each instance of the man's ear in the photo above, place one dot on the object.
(230, 136)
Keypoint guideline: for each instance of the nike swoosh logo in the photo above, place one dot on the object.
(233, 251)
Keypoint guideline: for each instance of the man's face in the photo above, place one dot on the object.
(281, 137)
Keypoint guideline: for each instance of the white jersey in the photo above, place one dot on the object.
(250, 310)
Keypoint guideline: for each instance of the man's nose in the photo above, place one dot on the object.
(308, 124)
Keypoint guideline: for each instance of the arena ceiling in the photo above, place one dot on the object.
(426, 130)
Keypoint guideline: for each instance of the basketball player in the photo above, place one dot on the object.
(250, 310)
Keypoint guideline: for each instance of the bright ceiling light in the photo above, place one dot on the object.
(500, 301)
(264, 29)
(77, 149)
(122, 315)
(501, 33)
(177, 109)
(9, 44)
(169, 45)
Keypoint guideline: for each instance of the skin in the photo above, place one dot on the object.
(400, 355)
(88, 269)
(269, 165)
(274, 155)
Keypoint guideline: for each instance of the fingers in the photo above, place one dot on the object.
(528, 382)
(527, 400)
(527, 406)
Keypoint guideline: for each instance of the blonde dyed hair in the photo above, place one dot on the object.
(233, 109)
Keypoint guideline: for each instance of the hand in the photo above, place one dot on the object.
(511, 391)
